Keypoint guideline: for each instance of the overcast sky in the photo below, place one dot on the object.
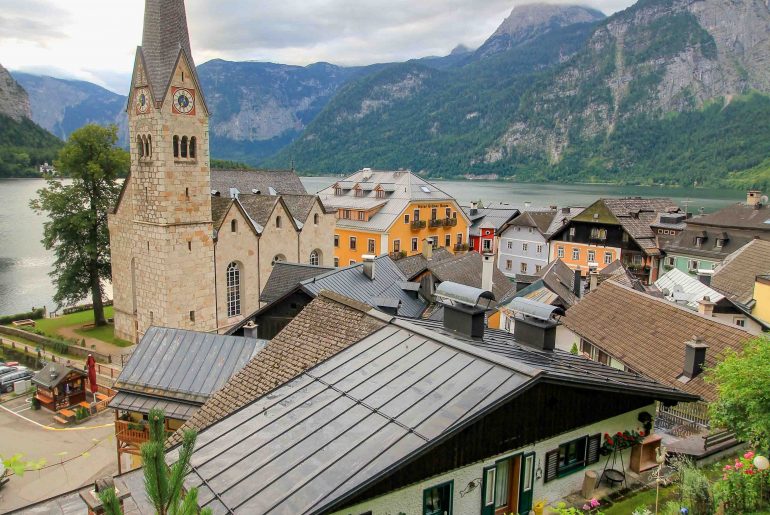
(95, 40)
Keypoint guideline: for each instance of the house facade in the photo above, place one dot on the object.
(382, 212)
(486, 224)
(190, 251)
(524, 245)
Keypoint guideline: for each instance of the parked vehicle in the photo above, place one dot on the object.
(4, 370)
(7, 381)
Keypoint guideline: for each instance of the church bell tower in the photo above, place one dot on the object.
(161, 231)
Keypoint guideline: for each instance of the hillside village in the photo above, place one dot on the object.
(378, 347)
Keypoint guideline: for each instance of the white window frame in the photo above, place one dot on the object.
(314, 258)
(233, 290)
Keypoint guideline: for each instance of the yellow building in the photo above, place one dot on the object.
(380, 212)
(761, 308)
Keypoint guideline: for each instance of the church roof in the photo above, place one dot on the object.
(165, 34)
(283, 182)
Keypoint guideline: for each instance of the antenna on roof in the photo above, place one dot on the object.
(292, 164)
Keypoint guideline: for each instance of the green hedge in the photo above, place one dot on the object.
(35, 314)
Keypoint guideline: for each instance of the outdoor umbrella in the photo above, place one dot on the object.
(91, 366)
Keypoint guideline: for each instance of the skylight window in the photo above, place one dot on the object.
(272, 191)
(425, 189)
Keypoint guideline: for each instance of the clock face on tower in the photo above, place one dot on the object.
(184, 101)
(142, 101)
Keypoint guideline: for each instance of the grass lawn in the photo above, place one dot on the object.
(105, 334)
(51, 326)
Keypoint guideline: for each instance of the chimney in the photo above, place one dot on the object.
(565, 210)
(706, 307)
(704, 276)
(427, 249)
(251, 330)
(593, 280)
(464, 308)
(474, 208)
(368, 265)
(540, 334)
(576, 283)
(487, 271)
(527, 204)
(753, 198)
(694, 357)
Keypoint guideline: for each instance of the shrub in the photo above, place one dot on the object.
(740, 488)
(35, 314)
(81, 413)
(35, 403)
(695, 489)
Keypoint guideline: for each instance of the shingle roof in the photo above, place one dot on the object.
(541, 220)
(353, 418)
(353, 284)
(284, 182)
(165, 34)
(561, 219)
(184, 365)
(466, 269)
(617, 271)
(43, 377)
(322, 329)
(684, 243)
(299, 205)
(560, 279)
(649, 334)
(219, 208)
(738, 216)
(258, 208)
(413, 266)
(403, 187)
(285, 277)
(736, 276)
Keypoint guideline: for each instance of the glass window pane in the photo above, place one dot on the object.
(489, 491)
(528, 473)
(501, 484)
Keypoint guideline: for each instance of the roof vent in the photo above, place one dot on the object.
(565, 210)
(272, 191)
(387, 305)
(255, 191)
(474, 208)
(369, 265)
(251, 329)
(535, 325)
(215, 193)
(464, 308)
(694, 358)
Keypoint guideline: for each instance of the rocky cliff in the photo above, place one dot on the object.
(14, 101)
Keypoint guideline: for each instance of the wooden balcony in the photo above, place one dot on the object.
(129, 432)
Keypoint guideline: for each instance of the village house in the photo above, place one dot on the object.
(486, 224)
(669, 343)
(191, 248)
(490, 420)
(175, 371)
(610, 230)
(524, 241)
(382, 212)
(743, 278)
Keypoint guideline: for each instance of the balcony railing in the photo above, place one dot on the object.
(418, 224)
(436, 223)
(461, 247)
(130, 432)
(450, 222)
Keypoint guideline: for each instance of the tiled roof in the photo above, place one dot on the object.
(561, 218)
(560, 279)
(299, 205)
(184, 365)
(285, 277)
(258, 208)
(466, 269)
(541, 220)
(617, 271)
(402, 188)
(412, 266)
(219, 208)
(649, 334)
(684, 243)
(322, 329)
(43, 377)
(738, 216)
(284, 182)
(736, 276)
(165, 34)
(352, 419)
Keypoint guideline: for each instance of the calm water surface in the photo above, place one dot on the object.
(24, 264)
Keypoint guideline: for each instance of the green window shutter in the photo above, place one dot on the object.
(592, 449)
(551, 465)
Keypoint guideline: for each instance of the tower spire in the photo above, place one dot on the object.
(165, 33)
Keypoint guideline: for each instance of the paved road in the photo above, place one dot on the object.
(36, 436)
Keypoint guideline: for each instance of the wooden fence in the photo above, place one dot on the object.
(693, 414)
(53, 344)
(101, 369)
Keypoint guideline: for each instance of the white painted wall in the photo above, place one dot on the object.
(511, 247)
(408, 500)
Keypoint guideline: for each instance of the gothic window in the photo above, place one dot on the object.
(183, 150)
(176, 146)
(233, 290)
(278, 221)
(315, 258)
(193, 142)
(148, 146)
(140, 145)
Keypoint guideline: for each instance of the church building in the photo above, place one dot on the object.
(192, 248)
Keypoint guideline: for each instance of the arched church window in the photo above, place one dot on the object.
(316, 218)
(315, 257)
(192, 147)
(148, 153)
(140, 145)
(233, 289)
(278, 259)
(183, 150)
(176, 146)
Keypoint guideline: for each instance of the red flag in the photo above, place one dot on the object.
(91, 366)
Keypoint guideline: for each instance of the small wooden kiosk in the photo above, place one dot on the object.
(60, 386)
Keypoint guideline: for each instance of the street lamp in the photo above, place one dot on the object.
(761, 462)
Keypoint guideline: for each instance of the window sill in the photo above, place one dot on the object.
(178, 161)
(568, 471)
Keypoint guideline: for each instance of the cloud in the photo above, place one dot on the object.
(35, 21)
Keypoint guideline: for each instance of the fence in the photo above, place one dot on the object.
(55, 344)
(101, 369)
(693, 415)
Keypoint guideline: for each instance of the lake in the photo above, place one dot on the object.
(24, 263)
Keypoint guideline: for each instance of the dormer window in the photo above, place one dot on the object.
(338, 191)
(359, 192)
(380, 193)
(699, 241)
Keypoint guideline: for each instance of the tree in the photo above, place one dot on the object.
(77, 227)
(742, 381)
(164, 485)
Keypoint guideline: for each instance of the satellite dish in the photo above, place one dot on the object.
(678, 288)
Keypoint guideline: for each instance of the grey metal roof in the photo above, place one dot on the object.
(413, 266)
(285, 277)
(143, 404)
(284, 182)
(342, 424)
(686, 288)
(184, 365)
(490, 217)
(467, 269)
(53, 373)
(352, 283)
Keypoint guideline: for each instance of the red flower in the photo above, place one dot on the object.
(641, 433)
(610, 441)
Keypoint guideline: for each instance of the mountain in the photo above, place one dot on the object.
(666, 91)
(62, 106)
(23, 144)
(258, 108)
(530, 21)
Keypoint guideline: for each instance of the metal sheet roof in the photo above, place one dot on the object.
(128, 401)
(316, 439)
(185, 365)
(683, 287)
